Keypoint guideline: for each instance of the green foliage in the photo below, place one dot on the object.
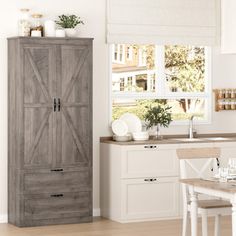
(69, 21)
(140, 107)
(185, 68)
(158, 115)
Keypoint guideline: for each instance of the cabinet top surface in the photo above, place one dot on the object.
(178, 139)
(49, 38)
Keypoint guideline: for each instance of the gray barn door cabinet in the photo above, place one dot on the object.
(49, 131)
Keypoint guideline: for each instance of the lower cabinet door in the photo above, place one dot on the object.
(149, 198)
(53, 207)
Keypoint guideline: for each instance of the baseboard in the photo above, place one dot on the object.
(96, 212)
(3, 219)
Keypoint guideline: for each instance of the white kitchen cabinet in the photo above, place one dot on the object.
(228, 26)
(144, 160)
(149, 198)
(140, 182)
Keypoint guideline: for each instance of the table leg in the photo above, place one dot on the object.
(234, 216)
(194, 211)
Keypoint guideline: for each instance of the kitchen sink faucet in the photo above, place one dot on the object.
(191, 130)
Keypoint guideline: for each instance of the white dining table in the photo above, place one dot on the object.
(226, 191)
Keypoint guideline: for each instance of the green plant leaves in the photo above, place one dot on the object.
(69, 21)
(158, 115)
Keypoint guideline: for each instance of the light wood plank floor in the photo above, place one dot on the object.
(103, 227)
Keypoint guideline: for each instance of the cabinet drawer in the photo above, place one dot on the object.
(150, 198)
(59, 205)
(149, 160)
(51, 181)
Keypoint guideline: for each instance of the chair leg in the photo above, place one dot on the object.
(204, 223)
(185, 222)
(217, 225)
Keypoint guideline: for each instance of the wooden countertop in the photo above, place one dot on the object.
(177, 139)
(228, 187)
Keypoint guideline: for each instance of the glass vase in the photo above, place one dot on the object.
(158, 132)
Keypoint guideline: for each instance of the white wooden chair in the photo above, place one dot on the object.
(201, 163)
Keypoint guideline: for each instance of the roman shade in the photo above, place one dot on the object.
(193, 22)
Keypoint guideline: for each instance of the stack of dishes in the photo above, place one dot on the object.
(120, 130)
(128, 126)
(140, 136)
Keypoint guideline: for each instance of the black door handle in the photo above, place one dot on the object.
(150, 180)
(150, 146)
(59, 104)
(54, 105)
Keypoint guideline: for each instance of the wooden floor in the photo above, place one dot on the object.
(103, 227)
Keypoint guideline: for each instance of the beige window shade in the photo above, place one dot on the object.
(194, 22)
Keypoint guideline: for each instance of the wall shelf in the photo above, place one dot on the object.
(225, 99)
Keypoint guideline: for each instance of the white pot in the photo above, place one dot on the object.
(60, 33)
(71, 32)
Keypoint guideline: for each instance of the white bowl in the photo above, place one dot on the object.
(125, 138)
(140, 136)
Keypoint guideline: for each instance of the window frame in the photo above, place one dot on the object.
(163, 93)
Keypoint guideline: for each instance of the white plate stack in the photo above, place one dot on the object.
(125, 126)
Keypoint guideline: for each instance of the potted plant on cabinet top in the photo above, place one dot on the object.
(69, 23)
(158, 116)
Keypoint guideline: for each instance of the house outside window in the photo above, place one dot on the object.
(142, 56)
(129, 53)
(118, 53)
(175, 75)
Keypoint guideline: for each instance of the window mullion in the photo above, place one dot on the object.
(160, 70)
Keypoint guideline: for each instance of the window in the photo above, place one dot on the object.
(129, 54)
(118, 52)
(175, 75)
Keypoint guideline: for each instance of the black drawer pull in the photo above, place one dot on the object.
(57, 195)
(150, 180)
(57, 170)
(150, 146)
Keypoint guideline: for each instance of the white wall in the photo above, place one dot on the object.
(93, 13)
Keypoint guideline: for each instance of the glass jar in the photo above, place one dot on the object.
(227, 93)
(221, 105)
(233, 105)
(37, 25)
(221, 93)
(24, 23)
(227, 105)
(232, 93)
